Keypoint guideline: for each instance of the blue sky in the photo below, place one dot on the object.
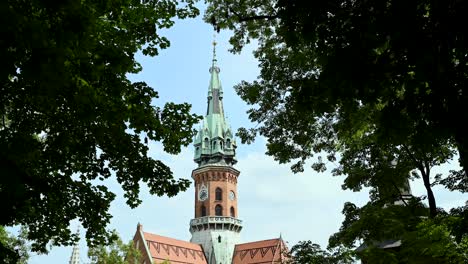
(272, 200)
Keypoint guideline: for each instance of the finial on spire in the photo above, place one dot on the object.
(214, 48)
(213, 65)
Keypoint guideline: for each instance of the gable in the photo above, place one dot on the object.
(176, 251)
(265, 251)
(156, 249)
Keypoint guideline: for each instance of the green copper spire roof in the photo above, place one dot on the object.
(215, 143)
(215, 90)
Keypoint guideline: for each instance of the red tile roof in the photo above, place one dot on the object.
(159, 248)
(176, 251)
(265, 251)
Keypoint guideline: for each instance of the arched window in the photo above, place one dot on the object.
(203, 210)
(218, 210)
(207, 143)
(233, 212)
(219, 194)
(228, 143)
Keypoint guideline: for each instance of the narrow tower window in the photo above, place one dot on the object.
(219, 194)
(207, 143)
(219, 210)
(228, 143)
(233, 212)
(203, 210)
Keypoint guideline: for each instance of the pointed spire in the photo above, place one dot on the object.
(215, 91)
(215, 143)
(75, 257)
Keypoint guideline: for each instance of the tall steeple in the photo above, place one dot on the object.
(215, 143)
(215, 90)
(216, 225)
(75, 257)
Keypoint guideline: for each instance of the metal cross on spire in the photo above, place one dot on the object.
(214, 67)
(214, 48)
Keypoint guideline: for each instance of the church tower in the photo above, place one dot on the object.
(216, 225)
(75, 257)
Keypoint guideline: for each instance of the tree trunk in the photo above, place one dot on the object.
(461, 135)
(430, 194)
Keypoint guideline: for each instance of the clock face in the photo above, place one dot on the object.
(203, 194)
(232, 196)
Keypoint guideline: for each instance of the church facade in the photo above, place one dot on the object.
(216, 226)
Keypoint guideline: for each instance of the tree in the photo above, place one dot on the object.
(401, 234)
(70, 117)
(116, 253)
(399, 67)
(354, 74)
(16, 248)
(306, 252)
(378, 85)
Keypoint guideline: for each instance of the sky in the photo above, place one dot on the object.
(272, 201)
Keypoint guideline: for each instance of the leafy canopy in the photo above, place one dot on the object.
(116, 253)
(306, 252)
(346, 68)
(69, 116)
(17, 246)
(379, 86)
(403, 234)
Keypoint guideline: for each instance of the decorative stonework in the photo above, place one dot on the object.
(215, 223)
(252, 252)
(266, 251)
(176, 250)
(215, 173)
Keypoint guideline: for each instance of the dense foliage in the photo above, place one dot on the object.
(306, 252)
(18, 247)
(378, 87)
(70, 118)
(398, 67)
(116, 253)
(403, 234)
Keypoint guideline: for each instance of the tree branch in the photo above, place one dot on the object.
(399, 193)
(256, 17)
(425, 169)
(411, 155)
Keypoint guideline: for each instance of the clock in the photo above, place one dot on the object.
(232, 196)
(203, 194)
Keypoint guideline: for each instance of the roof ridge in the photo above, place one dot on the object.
(168, 238)
(259, 241)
